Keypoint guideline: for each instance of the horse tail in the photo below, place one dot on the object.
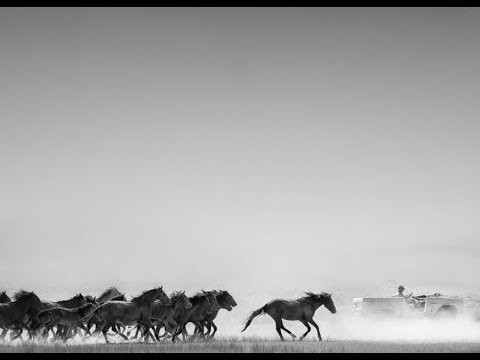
(253, 315)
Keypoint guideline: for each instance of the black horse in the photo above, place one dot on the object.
(226, 301)
(301, 309)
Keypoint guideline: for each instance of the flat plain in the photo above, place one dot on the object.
(232, 345)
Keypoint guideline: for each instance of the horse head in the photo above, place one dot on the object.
(163, 297)
(328, 302)
(227, 300)
(179, 297)
(185, 301)
(4, 298)
(90, 299)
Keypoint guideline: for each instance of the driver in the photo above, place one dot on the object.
(400, 293)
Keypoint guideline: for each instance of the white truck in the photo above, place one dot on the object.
(435, 305)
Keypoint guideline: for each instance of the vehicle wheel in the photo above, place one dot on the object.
(446, 312)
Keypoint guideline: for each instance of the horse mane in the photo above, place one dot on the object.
(21, 294)
(73, 297)
(313, 296)
(119, 297)
(176, 295)
(110, 290)
(211, 293)
(142, 295)
(198, 296)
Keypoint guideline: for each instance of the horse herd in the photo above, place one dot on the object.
(147, 313)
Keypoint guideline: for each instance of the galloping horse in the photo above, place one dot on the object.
(226, 301)
(163, 315)
(71, 319)
(12, 314)
(139, 309)
(74, 302)
(202, 301)
(301, 309)
(107, 294)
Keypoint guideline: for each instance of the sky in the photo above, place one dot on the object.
(250, 149)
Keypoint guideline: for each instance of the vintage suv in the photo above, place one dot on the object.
(435, 305)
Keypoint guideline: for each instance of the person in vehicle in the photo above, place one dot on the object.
(400, 293)
(407, 298)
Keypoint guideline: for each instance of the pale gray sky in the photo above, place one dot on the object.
(239, 148)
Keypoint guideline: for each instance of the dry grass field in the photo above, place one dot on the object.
(250, 345)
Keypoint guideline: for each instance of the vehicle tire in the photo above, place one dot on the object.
(446, 312)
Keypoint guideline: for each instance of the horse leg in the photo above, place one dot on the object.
(66, 335)
(204, 324)
(160, 327)
(198, 330)
(214, 329)
(201, 328)
(145, 331)
(71, 332)
(13, 333)
(44, 332)
(139, 326)
(62, 331)
(149, 326)
(3, 334)
(120, 326)
(74, 331)
(316, 327)
(304, 322)
(90, 324)
(278, 326)
(208, 326)
(59, 331)
(84, 328)
(177, 332)
(114, 328)
(136, 334)
(18, 335)
(170, 328)
(104, 330)
(32, 334)
(184, 331)
(288, 331)
(154, 329)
